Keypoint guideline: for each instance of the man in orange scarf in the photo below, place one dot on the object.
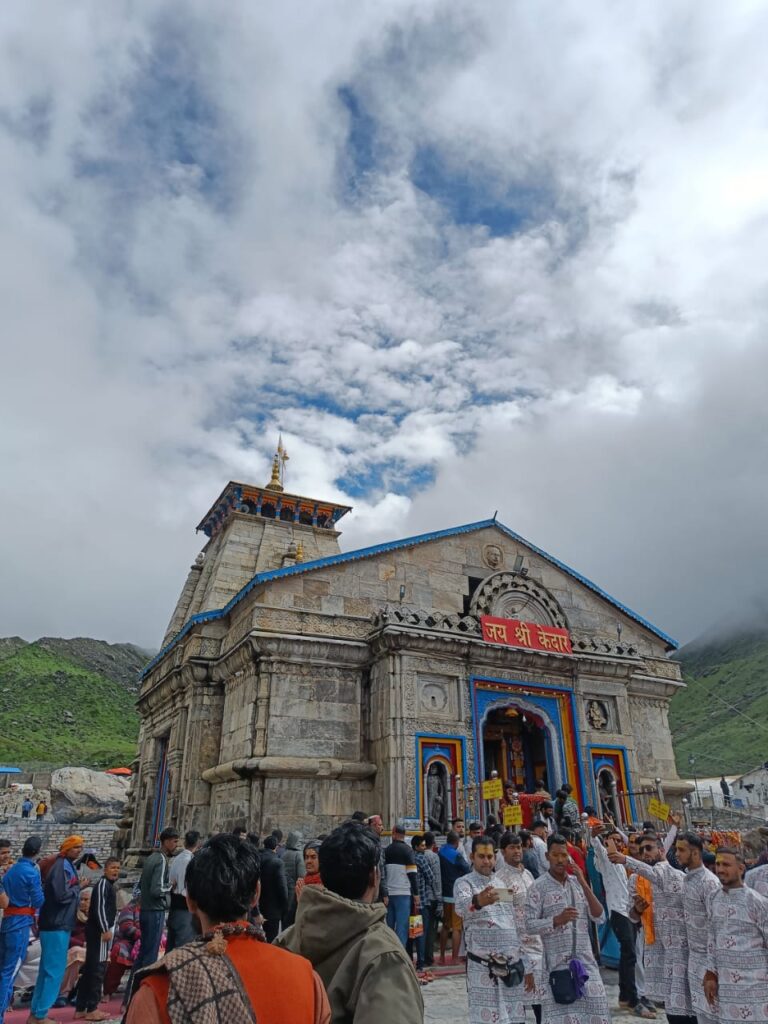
(56, 921)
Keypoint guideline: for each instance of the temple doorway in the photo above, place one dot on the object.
(516, 745)
(157, 820)
(609, 798)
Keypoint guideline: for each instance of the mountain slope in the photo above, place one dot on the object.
(721, 718)
(119, 662)
(53, 711)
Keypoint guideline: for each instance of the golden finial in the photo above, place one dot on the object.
(299, 552)
(274, 484)
(278, 467)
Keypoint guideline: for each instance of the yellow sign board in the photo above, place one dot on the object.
(657, 809)
(513, 815)
(492, 789)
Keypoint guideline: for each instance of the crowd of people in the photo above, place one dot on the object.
(238, 926)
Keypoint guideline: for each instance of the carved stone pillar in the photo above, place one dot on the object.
(204, 700)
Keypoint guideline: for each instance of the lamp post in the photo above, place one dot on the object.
(692, 763)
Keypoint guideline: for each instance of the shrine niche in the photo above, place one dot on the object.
(441, 780)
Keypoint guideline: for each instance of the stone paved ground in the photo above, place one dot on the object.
(445, 1001)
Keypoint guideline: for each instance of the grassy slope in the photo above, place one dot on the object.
(727, 671)
(37, 687)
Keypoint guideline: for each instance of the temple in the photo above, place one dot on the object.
(298, 683)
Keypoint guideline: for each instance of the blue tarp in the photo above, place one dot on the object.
(5, 770)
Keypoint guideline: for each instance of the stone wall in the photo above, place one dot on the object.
(97, 837)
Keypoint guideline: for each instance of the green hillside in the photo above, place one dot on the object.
(722, 716)
(55, 712)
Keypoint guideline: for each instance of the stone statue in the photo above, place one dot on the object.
(436, 808)
(596, 713)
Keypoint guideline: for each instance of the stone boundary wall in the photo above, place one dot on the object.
(97, 837)
(40, 780)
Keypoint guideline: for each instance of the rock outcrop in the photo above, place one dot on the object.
(82, 795)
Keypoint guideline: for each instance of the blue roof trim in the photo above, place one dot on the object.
(396, 545)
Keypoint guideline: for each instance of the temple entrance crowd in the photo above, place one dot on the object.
(348, 927)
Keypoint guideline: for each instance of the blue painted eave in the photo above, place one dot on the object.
(398, 545)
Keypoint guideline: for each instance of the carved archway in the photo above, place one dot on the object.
(555, 758)
(509, 595)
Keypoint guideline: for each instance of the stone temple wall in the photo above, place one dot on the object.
(97, 837)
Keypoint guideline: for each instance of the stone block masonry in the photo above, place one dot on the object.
(97, 837)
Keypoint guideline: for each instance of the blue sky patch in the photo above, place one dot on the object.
(394, 476)
(470, 197)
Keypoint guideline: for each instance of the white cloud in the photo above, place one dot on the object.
(190, 264)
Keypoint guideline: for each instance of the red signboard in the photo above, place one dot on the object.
(514, 633)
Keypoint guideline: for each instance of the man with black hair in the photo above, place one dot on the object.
(559, 908)
(181, 927)
(229, 975)
(453, 866)
(475, 829)
(570, 807)
(539, 833)
(274, 899)
(547, 814)
(280, 845)
(736, 981)
(699, 885)
(402, 883)
(530, 860)
(616, 889)
(490, 932)
(155, 885)
(516, 878)
(435, 898)
(427, 885)
(24, 893)
(343, 932)
(457, 826)
(376, 824)
(99, 930)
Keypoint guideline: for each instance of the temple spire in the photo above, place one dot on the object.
(277, 480)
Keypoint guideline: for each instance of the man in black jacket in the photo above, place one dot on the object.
(273, 902)
(98, 939)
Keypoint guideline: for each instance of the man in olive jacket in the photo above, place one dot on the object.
(155, 887)
(345, 935)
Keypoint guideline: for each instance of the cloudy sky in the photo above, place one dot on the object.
(466, 256)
